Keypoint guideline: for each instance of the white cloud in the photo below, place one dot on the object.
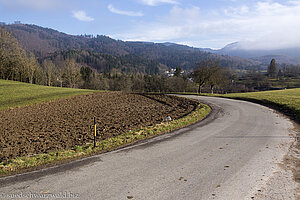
(157, 2)
(268, 24)
(112, 9)
(31, 4)
(243, 10)
(82, 16)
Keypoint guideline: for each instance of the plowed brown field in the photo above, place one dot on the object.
(66, 123)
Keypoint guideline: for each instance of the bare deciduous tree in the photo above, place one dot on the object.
(49, 69)
(71, 75)
(209, 73)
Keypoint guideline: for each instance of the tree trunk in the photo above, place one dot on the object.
(30, 79)
(199, 89)
(49, 81)
(212, 89)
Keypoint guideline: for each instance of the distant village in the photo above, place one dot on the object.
(171, 72)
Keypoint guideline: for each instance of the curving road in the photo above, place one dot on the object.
(229, 155)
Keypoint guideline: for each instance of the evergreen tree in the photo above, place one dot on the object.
(272, 69)
(86, 75)
(178, 71)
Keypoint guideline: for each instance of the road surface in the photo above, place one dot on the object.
(230, 155)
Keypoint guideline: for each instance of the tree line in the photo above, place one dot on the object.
(130, 73)
(69, 69)
(16, 63)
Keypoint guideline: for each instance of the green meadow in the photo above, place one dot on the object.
(287, 100)
(17, 94)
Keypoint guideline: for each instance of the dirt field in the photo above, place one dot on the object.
(66, 123)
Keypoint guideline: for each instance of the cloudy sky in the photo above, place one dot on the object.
(267, 24)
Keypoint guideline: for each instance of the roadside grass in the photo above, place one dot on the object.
(22, 164)
(286, 101)
(17, 94)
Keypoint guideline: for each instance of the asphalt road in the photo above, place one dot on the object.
(229, 155)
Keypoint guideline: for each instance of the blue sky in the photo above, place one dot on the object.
(267, 24)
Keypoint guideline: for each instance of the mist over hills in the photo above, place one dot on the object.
(128, 56)
(258, 53)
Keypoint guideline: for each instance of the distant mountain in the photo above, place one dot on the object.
(285, 55)
(45, 43)
(279, 59)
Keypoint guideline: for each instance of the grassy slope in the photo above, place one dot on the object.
(287, 101)
(16, 94)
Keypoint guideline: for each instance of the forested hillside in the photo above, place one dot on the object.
(33, 54)
(129, 63)
(44, 42)
(84, 69)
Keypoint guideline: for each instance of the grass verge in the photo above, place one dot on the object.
(286, 101)
(23, 164)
